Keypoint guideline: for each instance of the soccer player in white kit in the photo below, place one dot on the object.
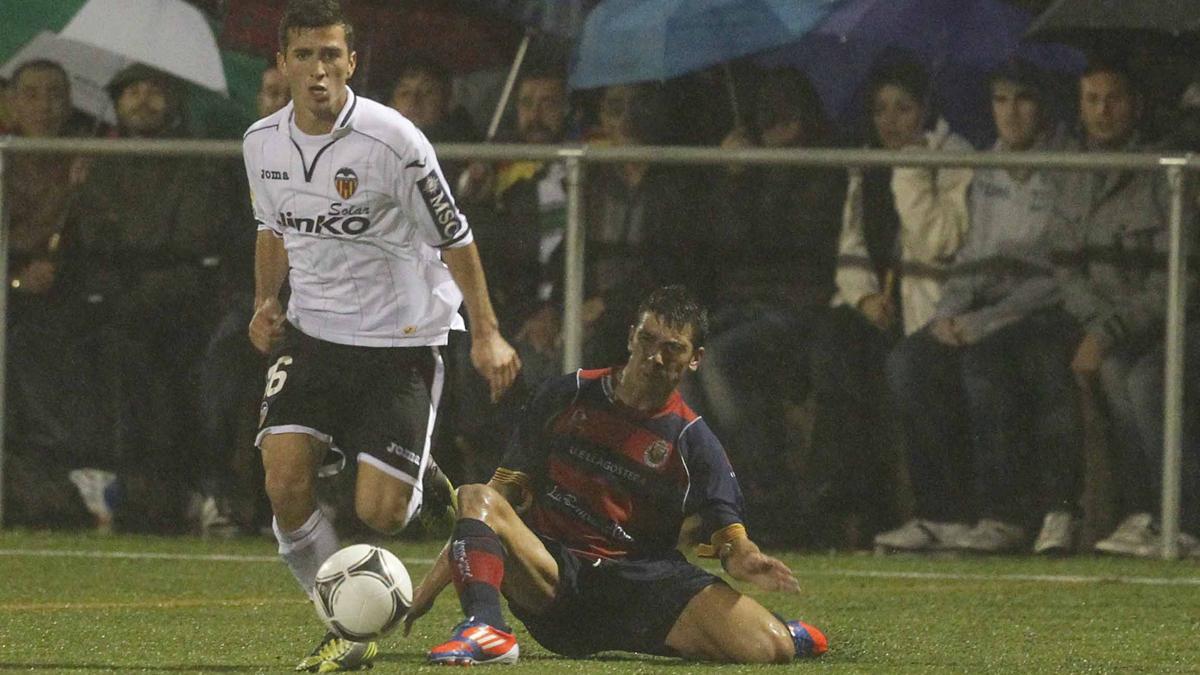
(353, 210)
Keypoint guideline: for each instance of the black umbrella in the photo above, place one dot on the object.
(1089, 21)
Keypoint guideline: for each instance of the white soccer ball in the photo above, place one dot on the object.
(362, 592)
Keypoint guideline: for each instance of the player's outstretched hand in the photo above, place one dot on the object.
(422, 603)
(496, 361)
(266, 328)
(769, 574)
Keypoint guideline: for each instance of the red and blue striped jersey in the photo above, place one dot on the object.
(609, 481)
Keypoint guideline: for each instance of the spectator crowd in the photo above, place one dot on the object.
(903, 358)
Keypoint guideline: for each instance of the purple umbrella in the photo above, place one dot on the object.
(960, 41)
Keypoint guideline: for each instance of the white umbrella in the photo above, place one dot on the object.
(89, 68)
(169, 35)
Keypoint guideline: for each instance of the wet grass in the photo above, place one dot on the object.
(227, 606)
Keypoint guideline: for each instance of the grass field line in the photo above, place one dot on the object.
(137, 555)
(876, 574)
(171, 603)
(1047, 578)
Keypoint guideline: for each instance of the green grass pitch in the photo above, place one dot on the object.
(79, 603)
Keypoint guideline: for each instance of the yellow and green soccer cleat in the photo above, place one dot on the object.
(440, 494)
(335, 654)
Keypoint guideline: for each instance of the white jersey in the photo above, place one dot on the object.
(363, 212)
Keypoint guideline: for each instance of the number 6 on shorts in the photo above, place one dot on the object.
(276, 376)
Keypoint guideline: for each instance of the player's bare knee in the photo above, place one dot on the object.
(767, 644)
(783, 648)
(288, 490)
(748, 642)
(385, 517)
(482, 502)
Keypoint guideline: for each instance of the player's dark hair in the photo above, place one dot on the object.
(309, 14)
(39, 64)
(679, 309)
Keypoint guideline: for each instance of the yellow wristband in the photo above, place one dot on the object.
(721, 541)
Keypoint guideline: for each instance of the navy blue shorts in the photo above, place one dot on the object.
(624, 605)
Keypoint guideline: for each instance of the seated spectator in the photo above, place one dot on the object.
(1185, 120)
(231, 369)
(996, 354)
(901, 228)
(150, 234)
(273, 91)
(530, 201)
(1112, 242)
(422, 93)
(518, 214)
(778, 230)
(54, 409)
(41, 188)
(644, 223)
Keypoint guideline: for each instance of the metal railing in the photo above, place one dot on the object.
(1174, 166)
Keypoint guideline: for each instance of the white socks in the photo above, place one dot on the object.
(307, 547)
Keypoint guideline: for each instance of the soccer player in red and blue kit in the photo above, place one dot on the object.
(578, 527)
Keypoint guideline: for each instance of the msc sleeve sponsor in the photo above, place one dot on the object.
(445, 215)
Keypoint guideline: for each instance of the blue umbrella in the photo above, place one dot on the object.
(960, 41)
(628, 41)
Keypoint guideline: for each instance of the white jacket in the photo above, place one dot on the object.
(932, 205)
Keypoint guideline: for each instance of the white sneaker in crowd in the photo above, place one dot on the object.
(208, 518)
(94, 488)
(992, 536)
(1189, 546)
(1135, 536)
(920, 535)
(1057, 534)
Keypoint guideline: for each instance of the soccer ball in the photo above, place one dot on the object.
(362, 592)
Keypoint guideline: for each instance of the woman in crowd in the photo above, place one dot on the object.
(901, 227)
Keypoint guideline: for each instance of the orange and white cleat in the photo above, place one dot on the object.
(475, 643)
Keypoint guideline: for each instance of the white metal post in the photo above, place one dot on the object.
(3, 322)
(572, 321)
(1173, 376)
